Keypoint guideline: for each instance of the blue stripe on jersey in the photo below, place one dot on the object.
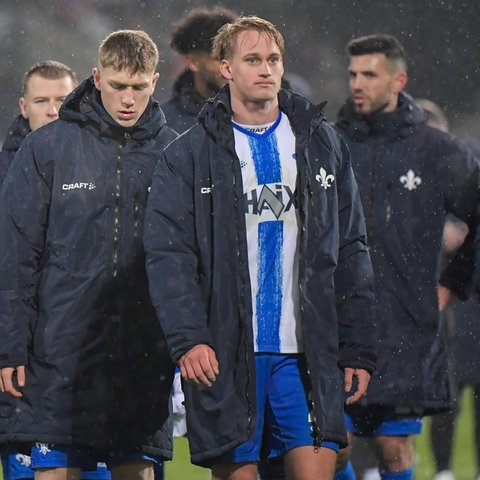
(270, 279)
(266, 158)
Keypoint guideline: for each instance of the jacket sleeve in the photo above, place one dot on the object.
(172, 262)
(24, 206)
(353, 276)
(461, 172)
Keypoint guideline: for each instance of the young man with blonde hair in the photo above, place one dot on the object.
(82, 353)
(45, 86)
(259, 271)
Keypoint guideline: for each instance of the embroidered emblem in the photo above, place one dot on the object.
(44, 448)
(410, 180)
(324, 179)
(23, 460)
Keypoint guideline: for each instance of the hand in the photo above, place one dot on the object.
(6, 380)
(363, 377)
(199, 365)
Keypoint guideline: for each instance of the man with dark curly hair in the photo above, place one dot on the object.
(192, 37)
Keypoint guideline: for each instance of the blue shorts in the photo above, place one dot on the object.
(373, 420)
(50, 455)
(283, 420)
(18, 466)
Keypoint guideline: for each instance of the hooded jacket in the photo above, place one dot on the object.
(409, 175)
(74, 299)
(17, 131)
(182, 109)
(199, 280)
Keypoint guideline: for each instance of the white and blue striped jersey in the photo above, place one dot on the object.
(269, 173)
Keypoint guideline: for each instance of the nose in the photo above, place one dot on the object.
(127, 97)
(356, 82)
(265, 70)
(53, 108)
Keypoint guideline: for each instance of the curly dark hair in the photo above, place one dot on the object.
(196, 30)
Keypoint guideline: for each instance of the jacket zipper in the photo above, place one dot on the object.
(116, 211)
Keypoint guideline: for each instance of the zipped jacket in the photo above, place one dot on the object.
(197, 262)
(74, 299)
(410, 176)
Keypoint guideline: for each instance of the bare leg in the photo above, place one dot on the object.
(141, 470)
(235, 471)
(57, 474)
(309, 463)
(395, 452)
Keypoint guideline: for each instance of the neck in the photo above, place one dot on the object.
(254, 113)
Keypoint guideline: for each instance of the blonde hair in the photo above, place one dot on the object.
(49, 69)
(131, 50)
(226, 38)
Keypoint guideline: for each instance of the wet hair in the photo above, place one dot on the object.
(379, 43)
(49, 69)
(224, 42)
(131, 50)
(198, 28)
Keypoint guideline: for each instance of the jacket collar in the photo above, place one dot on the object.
(84, 106)
(398, 123)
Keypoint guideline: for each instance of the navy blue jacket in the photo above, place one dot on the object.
(182, 109)
(74, 299)
(17, 131)
(409, 175)
(197, 263)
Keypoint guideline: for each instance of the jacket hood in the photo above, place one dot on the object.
(398, 123)
(186, 95)
(18, 130)
(84, 105)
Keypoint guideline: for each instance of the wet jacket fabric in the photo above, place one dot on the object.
(182, 109)
(74, 299)
(17, 131)
(409, 175)
(199, 280)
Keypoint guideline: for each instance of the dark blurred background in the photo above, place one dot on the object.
(442, 39)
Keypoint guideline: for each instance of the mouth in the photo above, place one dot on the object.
(126, 115)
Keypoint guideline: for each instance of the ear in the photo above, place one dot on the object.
(154, 80)
(96, 77)
(23, 107)
(191, 62)
(400, 81)
(225, 69)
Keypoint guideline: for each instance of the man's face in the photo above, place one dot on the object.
(256, 68)
(208, 79)
(374, 84)
(124, 96)
(43, 98)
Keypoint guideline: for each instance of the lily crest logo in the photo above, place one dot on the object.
(325, 179)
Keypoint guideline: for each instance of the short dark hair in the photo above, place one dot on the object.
(197, 29)
(50, 69)
(379, 43)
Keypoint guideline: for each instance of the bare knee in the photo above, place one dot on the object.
(395, 453)
(141, 470)
(235, 471)
(57, 474)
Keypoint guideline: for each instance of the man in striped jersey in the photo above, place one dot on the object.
(259, 271)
